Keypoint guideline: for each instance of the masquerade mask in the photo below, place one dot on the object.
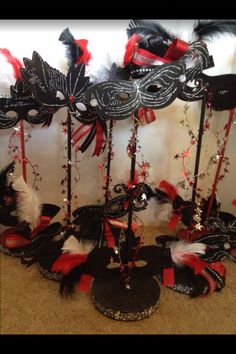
(46, 82)
(120, 99)
(221, 90)
(22, 105)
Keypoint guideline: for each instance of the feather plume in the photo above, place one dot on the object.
(148, 29)
(68, 282)
(28, 204)
(76, 49)
(73, 246)
(100, 74)
(208, 30)
(154, 38)
(3, 174)
(73, 51)
(16, 64)
(162, 197)
(169, 189)
(181, 249)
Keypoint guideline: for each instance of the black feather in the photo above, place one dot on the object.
(162, 197)
(149, 29)
(96, 263)
(89, 219)
(73, 51)
(117, 72)
(68, 282)
(208, 30)
(152, 256)
(6, 190)
(155, 38)
(4, 172)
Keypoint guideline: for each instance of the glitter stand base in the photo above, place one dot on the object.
(114, 301)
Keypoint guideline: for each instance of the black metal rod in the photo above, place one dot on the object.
(109, 160)
(198, 153)
(68, 167)
(132, 180)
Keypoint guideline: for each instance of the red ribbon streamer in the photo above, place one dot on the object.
(99, 139)
(76, 138)
(147, 114)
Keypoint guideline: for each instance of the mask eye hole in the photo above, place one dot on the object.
(60, 95)
(32, 112)
(154, 87)
(11, 114)
(122, 96)
(194, 85)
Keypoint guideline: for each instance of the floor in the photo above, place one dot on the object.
(30, 304)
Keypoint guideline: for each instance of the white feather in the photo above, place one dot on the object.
(181, 249)
(6, 76)
(73, 246)
(28, 204)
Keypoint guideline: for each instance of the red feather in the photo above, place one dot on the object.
(130, 48)
(85, 283)
(169, 189)
(16, 64)
(66, 262)
(86, 55)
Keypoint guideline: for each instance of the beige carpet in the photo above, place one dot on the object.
(30, 304)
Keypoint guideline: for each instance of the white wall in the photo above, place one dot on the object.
(160, 140)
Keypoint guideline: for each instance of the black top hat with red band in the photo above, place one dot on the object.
(94, 236)
(21, 209)
(178, 266)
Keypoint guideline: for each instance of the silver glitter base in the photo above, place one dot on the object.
(11, 252)
(124, 316)
(49, 275)
(113, 300)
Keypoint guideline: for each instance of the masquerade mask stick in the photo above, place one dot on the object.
(109, 160)
(125, 261)
(222, 153)
(17, 65)
(46, 82)
(198, 153)
(22, 142)
(76, 52)
(68, 166)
